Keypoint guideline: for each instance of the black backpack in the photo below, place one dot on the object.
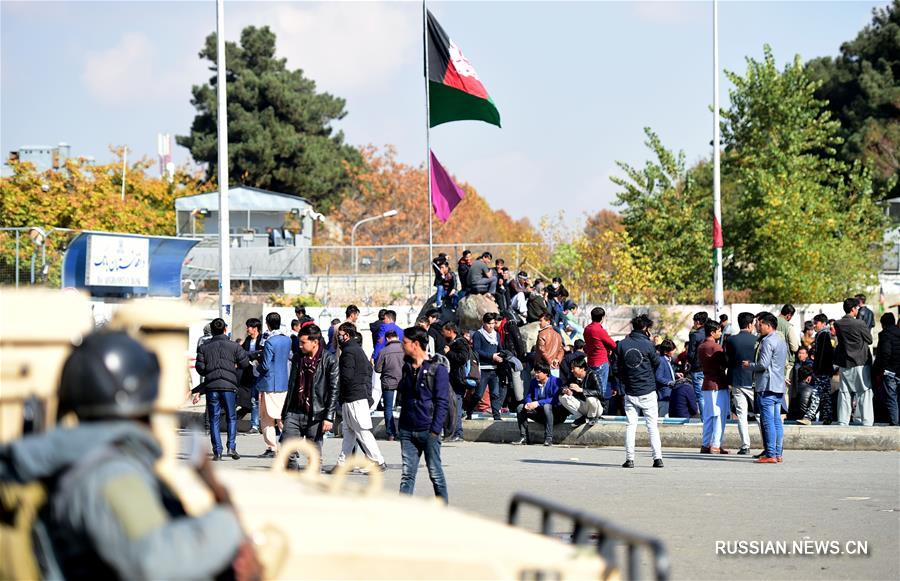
(452, 416)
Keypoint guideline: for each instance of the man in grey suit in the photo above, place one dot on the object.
(853, 359)
(768, 371)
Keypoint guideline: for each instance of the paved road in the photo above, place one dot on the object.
(691, 504)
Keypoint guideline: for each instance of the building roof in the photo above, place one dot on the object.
(242, 199)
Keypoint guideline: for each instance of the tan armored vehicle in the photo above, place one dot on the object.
(37, 330)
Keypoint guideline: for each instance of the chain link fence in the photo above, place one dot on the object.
(33, 256)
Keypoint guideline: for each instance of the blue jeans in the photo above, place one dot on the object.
(389, 426)
(697, 381)
(489, 379)
(460, 393)
(439, 296)
(773, 430)
(254, 407)
(214, 402)
(412, 445)
(602, 373)
(890, 395)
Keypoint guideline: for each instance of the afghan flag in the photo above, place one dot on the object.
(455, 91)
(445, 194)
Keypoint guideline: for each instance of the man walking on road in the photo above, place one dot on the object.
(274, 372)
(218, 361)
(355, 394)
(636, 363)
(424, 389)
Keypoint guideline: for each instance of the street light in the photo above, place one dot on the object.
(388, 214)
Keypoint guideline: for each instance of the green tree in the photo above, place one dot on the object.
(862, 90)
(806, 225)
(279, 128)
(669, 221)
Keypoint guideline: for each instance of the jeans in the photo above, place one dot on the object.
(602, 373)
(546, 414)
(489, 378)
(412, 445)
(647, 404)
(215, 400)
(389, 426)
(890, 395)
(697, 381)
(460, 393)
(773, 430)
(299, 425)
(254, 408)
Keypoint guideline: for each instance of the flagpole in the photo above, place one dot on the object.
(428, 138)
(222, 130)
(718, 289)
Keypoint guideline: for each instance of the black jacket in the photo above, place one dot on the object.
(866, 315)
(854, 339)
(740, 348)
(636, 363)
(439, 342)
(590, 387)
(325, 386)
(247, 377)
(355, 373)
(696, 337)
(458, 355)
(888, 358)
(823, 363)
(535, 307)
(218, 361)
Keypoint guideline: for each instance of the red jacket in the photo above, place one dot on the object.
(713, 363)
(597, 344)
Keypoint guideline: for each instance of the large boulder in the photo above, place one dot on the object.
(472, 308)
(529, 334)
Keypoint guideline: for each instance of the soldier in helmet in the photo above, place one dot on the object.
(107, 513)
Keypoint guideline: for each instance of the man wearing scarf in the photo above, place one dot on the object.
(311, 401)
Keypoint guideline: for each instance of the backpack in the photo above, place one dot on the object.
(452, 416)
(470, 373)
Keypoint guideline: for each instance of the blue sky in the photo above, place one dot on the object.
(575, 82)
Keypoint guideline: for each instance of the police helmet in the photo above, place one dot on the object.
(110, 375)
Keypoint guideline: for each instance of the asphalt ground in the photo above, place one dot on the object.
(703, 507)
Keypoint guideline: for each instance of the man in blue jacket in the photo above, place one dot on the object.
(424, 389)
(541, 405)
(636, 364)
(274, 371)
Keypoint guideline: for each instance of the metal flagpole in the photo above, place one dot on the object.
(718, 292)
(428, 140)
(224, 229)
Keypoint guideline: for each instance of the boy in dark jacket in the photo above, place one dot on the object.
(541, 405)
(458, 353)
(582, 395)
(636, 362)
(424, 389)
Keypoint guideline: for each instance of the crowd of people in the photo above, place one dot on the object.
(300, 384)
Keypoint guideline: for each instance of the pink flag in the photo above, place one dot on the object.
(445, 195)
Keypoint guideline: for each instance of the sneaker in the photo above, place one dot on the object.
(253, 430)
(234, 455)
(456, 439)
(580, 421)
(521, 442)
(548, 442)
(804, 422)
(743, 451)
(216, 457)
(628, 464)
(766, 460)
(658, 463)
(267, 454)
(382, 467)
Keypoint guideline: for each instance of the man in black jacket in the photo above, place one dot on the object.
(458, 352)
(218, 361)
(583, 394)
(853, 359)
(356, 397)
(865, 314)
(636, 363)
(888, 362)
(739, 348)
(312, 398)
(823, 370)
